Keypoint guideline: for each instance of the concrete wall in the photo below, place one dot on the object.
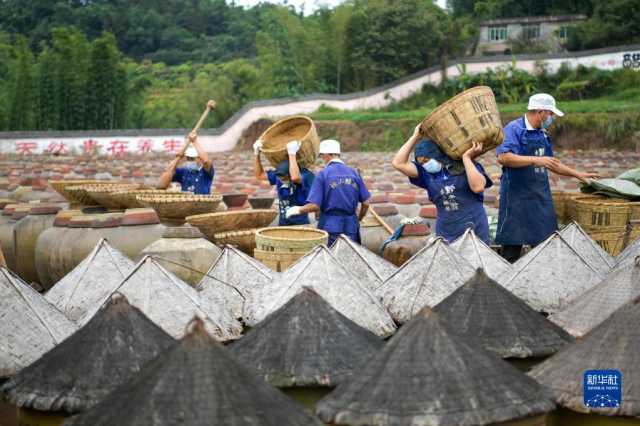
(224, 138)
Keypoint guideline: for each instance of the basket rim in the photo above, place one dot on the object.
(279, 122)
(239, 233)
(230, 213)
(318, 232)
(440, 108)
(177, 199)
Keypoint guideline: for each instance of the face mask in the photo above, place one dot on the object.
(547, 122)
(432, 166)
(191, 165)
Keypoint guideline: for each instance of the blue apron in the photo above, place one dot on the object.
(458, 206)
(336, 224)
(526, 214)
(288, 197)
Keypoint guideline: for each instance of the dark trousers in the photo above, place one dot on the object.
(511, 253)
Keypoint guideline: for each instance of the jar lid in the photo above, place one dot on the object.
(64, 216)
(21, 211)
(385, 209)
(429, 212)
(416, 230)
(109, 220)
(404, 199)
(5, 201)
(8, 209)
(43, 209)
(378, 199)
(143, 216)
(81, 221)
(185, 231)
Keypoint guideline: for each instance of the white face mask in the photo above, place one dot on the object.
(547, 122)
(191, 165)
(432, 166)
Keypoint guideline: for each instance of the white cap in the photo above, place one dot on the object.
(545, 102)
(191, 152)
(329, 146)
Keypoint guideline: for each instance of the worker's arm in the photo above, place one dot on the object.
(258, 170)
(477, 181)
(364, 208)
(509, 159)
(202, 154)
(564, 170)
(167, 175)
(401, 161)
(294, 170)
(309, 208)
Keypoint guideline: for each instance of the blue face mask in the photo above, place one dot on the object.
(432, 166)
(547, 122)
(191, 165)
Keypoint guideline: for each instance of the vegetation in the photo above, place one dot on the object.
(101, 64)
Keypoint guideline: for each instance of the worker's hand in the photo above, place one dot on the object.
(547, 162)
(293, 211)
(193, 136)
(474, 151)
(293, 147)
(417, 133)
(211, 104)
(257, 147)
(586, 176)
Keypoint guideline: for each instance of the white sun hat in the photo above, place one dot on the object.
(329, 146)
(191, 152)
(545, 102)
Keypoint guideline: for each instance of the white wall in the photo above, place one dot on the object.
(227, 139)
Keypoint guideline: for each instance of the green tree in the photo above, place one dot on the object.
(21, 104)
(614, 22)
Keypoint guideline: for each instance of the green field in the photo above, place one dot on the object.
(587, 106)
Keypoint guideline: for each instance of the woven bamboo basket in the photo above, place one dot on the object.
(235, 220)
(103, 194)
(280, 247)
(300, 128)
(175, 208)
(80, 196)
(601, 211)
(127, 197)
(467, 117)
(244, 240)
(571, 205)
(561, 202)
(60, 186)
(613, 239)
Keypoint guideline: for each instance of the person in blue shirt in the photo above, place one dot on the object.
(455, 187)
(291, 181)
(195, 174)
(527, 215)
(335, 193)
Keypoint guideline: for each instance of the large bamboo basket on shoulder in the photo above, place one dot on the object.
(214, 223)
(300, 128)
(471, 116)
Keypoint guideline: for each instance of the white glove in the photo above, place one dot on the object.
(257, 147)
(293, 211)
(293, 147)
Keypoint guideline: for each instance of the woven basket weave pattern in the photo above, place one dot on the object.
(301, 128)
(290, 239)
(214, 223)
(470, 116)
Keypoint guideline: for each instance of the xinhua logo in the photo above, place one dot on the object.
(602, 388)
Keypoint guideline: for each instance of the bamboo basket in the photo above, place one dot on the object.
(127, 197)
(300, 128)
(174, 208)
(280, 247)
(467, 117)
(612, 239)
(600, 211)
(215, 223)
(60, 186)
(561, 201)
(244, 240)
(571, 204)
(103, 194)
(80, 196)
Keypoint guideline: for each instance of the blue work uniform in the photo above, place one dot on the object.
(292, 195)
(458, 206)
(337, 190)
(197, 181)
(526, 215)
